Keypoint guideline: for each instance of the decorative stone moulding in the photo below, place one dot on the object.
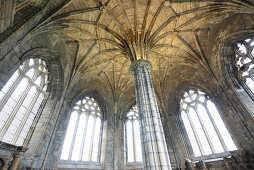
(141, 62)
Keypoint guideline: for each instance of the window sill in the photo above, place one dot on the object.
(134, 165)
(211, 157)
(69, 164)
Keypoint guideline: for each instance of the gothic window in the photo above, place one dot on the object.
(244, 61)
(20, 99)
(82, 139)
(205, 128)
(133, 142)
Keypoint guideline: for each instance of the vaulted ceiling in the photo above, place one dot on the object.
(173, 35)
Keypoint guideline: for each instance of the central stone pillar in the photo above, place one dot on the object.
(154, 148)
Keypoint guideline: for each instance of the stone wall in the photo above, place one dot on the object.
(46, 137)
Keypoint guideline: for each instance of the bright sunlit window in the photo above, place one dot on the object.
(134, 153)
(205, 128)
(20, 99)
(244, 61)
(82, 139)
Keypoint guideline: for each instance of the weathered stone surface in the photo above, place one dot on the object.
(89, 47)
(154, 149)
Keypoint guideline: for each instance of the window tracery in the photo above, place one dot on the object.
(244, 62)
(133, 142)
(205, 128)
(20, 99)
(83, 137)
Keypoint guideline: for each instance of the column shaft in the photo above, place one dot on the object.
(15, 163)
(154, 149)
(7, 12)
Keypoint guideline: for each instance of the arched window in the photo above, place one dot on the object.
(244, 61)
(20, 99)
(82, 139)
(205, 128)
(132, 136)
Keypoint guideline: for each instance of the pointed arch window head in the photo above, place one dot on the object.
(244, 62)
(205, 128)
(20, 99)
(132, 136)
(83, 136)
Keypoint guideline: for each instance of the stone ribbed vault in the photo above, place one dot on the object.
(110, 34)
(97, 40)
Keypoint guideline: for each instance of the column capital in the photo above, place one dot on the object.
(18, 154)
(141, 62)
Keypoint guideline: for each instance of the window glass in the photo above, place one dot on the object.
(69, 135)
(20, 99)
(204, 126)
(244, 62)
(88, 140)
(78, 138)
(133, 142)
(96, 139)
(82, 138)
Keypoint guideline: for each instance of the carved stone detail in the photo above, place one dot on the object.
(240, 159)
(140, 63)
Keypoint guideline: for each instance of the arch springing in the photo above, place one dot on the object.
(244, 62)
(20, 99)
(83, 134)
(205, 128)
(132, 137)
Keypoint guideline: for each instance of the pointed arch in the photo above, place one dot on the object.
(83, 137)
(205, 128)
(20, 100)
(132, 136)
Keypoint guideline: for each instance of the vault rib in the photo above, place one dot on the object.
(124, 14)
(94, 23)
(75, 13)
(102, 51)
(85, 56)
(112, 16)
(153, 21)
(145, 19)
(136, 20)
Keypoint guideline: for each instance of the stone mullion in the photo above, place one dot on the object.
(195, 133)
(154, 143)
(92, 138)
(100, 141)
(83, 137)
(205, 131)
(184, 136)
(15, 110)
(33, 80)
(74, 136)
(37, 116)
(28, 112)
(11, 90)
(133, 140)
(216, 129)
